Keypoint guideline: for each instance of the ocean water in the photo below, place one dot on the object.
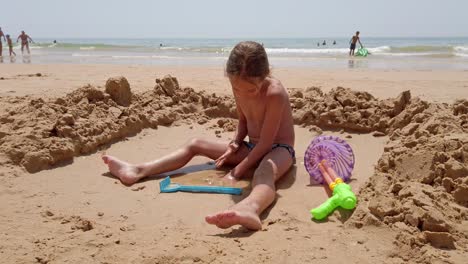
(385, 53)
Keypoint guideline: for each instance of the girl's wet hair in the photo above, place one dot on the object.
(248, 59)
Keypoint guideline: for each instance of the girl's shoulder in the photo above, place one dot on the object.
(277, 92)
(275, 86)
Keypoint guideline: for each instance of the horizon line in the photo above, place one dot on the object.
(308, 37)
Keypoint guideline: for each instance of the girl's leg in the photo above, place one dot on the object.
(131, 173)
(246, 213)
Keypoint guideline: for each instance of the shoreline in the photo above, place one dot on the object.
(324, 62)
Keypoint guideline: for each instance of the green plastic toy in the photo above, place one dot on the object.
(342, 196)
(363, 52)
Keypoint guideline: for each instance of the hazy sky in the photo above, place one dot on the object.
(237, 19)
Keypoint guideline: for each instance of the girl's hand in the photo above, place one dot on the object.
(232, 148)
(229, 179)
(230, 176)
(234, 174)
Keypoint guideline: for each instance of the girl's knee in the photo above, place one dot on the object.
(194, 144)
(265, 173)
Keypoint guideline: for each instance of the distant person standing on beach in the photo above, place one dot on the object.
(1, 35)
(10, 45)
(353, 42)
(324, 43)
(25, 39)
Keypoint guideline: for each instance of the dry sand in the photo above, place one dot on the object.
(56, 80)
(59, 204)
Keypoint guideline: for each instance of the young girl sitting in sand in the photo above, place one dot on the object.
(264, 115)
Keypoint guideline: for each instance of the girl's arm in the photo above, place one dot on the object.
(235, 144)
(274, 109)
(241, 132)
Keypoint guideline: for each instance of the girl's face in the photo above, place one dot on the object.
(244, 88)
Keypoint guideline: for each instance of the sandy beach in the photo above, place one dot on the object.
(59, 79)
(408, 130)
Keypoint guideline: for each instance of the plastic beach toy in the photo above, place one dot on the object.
(335, 151)
(165, 186)
(363, 52)
(342, 195)
(330, 159)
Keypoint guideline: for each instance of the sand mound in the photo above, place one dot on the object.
(119, 90)
(356, 111)
(38, 133)
(420, 187)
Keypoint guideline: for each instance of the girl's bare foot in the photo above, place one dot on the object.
(240, 214)
(126, 172)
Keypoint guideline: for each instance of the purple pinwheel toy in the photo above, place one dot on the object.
(335, 151)
(330, 160)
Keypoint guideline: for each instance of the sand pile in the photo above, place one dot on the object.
(343, 108)
(420, 186)
(38, 133)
